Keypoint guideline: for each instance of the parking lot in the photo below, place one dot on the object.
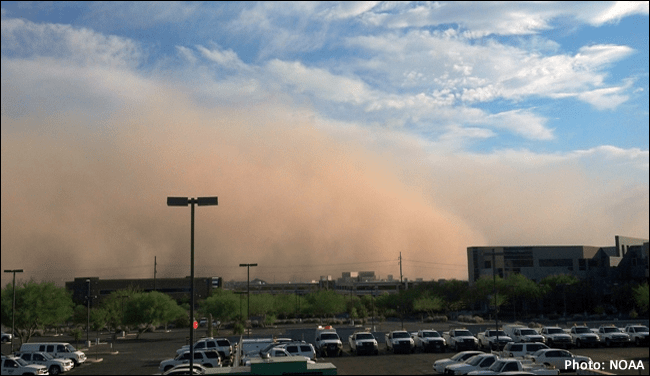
(142, 356)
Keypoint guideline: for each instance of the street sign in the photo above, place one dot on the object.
(196, 324)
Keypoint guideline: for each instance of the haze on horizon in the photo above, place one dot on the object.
(98, 129)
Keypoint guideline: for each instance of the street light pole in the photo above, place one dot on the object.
(248, 310)
(184, 201)
(13, 307)
(88, 316)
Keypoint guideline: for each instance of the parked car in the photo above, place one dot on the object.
(555, 336)
(583, 336)
(328, 342)
(363, 342)
(638, 334)
(426, 340)
(54, 366)
(206, 358)
(399, 340)
(6, 337)
(475, 363)
(11, 365)
(221, 345)
(493, 339)
(299, 348)
(57, 350)
(557, 358)
(461, 338)
(440, 365)
(184, 369)
(519, 350)
(611, 335)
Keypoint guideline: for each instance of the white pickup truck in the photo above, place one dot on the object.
(520, 333)
(583, 336)
(555, 336)
(493, 339)
(53, 365)
(399, 340)
(515, 365)
(428, 340)
(12, 365)
(458, 339)
(611, 335)
(638, 334)
(328, 342)
(363, 342)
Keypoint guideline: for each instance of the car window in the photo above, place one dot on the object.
(27, 356)
(536, 346)
(60, 348)
(39, 357)
(516, 347)
(223, 342)
(292, 349)
(305, 348)
(50, 348)
(553, 354)
(211, 355)
(512, 366)
(198, 355)
(10, 363)
(200, 345)
(211, 344)
(488, 362)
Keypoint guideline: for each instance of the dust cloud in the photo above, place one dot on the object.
(85, 195)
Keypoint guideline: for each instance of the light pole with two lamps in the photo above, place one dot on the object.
(185, 201)
(13, 307)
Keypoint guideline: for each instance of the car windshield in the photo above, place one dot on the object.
(641, 329)
(463, 333)
(610, 330)
(582, 330)
(329, 336)
(21, 362)
(493, 333)
(430, 334)
(554, 331)
(70, 348)
(47, 356)
(401, 335)
(527, 332)
(475, 360)
(497, 366)
(539, 352)
(365, 336)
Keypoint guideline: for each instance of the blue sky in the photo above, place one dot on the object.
(542, 94)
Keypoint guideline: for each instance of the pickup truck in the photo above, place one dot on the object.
(515, 365)
(638, 334)
(583, 336)
(53, 365)
(611, 335)
(12, 365)
(426, 340)
(556, 337)
(488, 339)
(363, 342)
(399, 340)
(520, 333)
(458, 339)
(328, 342)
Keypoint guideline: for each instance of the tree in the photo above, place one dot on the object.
(325, 303)
(223, 305)
(641, 297)
(518, 287)
(37, 305)
(428, 304)
(151, 308)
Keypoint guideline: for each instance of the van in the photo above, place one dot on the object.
(57, 350)
(518, 350)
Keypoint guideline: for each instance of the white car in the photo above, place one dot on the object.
(475, 363)
(206, 358)
(518, 350)
(300, 348)
(556, 358)
(583, 336)
(399, 340)
(11, 365)
(439, 365)
(554, 336)
(638, 334)
(184, 369)
(611, 335)
(54, 365)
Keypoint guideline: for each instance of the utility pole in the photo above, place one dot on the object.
(154, 272)
(400, 267)
(13, 307)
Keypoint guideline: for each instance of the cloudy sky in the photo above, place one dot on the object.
(336, 135)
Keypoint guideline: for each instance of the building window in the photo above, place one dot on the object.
(556, 263)
(582, 264)
(488, 265)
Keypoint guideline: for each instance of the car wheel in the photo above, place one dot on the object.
(637, 342)
(55, 370)
(167, 368)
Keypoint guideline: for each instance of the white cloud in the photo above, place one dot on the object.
(524, 123)
(81, 45)
(226, 58)
(618, 10)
